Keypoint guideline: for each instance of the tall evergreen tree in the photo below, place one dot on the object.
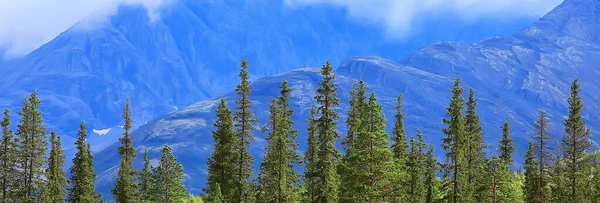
(244, 124)
(416, 169)
(474, 145)
(8, 161)
(595, 197)
(355, 114)
(279, 180)
(370, 162)
(560, 191)
(575, 144)
(168, 179)
(454, 145)
(125, 189)
(145, 179)
(431, 180)
(543, 155)
(311, 158)
(531, 185)
(220, 164)
(507, 147)
(400, 146)
(328, 155)
(32, 149)
(83, 176)
(56, 181)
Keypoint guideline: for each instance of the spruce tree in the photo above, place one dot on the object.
(431, 180)
(145, 179)
(543, 155)
(531, 185)
(595, 197)
(244, 124)
(220, 164)
(32, 150)
(474, 145)
(400, 150)
(370, 163)
(279, 180)
(355, 114)
(328, 155)
(416, 169)
(83, 176)
(310, 159)
(576, 144)
(560, 191)
(8, 161)
(453, 143)
(168, 179)
(507, 147)
(125, 189)
(56, 181)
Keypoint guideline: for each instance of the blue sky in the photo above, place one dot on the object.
(27, 24)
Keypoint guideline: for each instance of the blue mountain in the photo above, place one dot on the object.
(513, 76)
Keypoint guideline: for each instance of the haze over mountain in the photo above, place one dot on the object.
(513, 76)
(192, 53)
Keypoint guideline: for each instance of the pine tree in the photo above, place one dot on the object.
(244, 124)
(453, 143)
(145, 179)
(56, 181)
(507, 147)
(370, 162)
(576, 144)
(595, 197)
(220, 164)
(501, 182)
(543, 155)
(474, 145)
(328, 155)
(431, 180)
(531, 185)
(83, 176)
(279, 180)
(168, 179)
(32, 149)
(8, 161)
(355, 114)
(416, 169)
(310, 159)
(560, 191)
(215, 195)
(400, 150)
(125, 189)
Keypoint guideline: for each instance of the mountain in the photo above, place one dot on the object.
(191, 53)
(513, 76)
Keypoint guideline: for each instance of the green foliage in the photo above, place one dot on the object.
(278, 178)
(474, 146)
(125, 189)
(145, 178)
(83, 176)
(454, 144)
(432, 182)
(220, 164)
(358, 105)
(167, 179)
(310, 159)
(244, 124)
(56, 181)
(369, 165)
(416, 169)
(400, 150)
(8, 162)
(328, 155)
(32, 147)
(507, 147)
(575, 144)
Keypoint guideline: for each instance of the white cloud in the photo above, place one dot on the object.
(399, 16)
(27, 24)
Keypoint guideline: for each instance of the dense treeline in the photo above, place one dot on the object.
(370, 168)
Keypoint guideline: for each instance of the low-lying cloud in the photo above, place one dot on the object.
(399, 16)
(27, 24)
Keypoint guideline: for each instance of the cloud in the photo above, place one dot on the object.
(400, 16)
(27, 24)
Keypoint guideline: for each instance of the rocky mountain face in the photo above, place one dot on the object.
(513, 76)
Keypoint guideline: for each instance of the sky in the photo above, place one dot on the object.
(27, 24)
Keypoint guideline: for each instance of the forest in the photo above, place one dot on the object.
(373, 166)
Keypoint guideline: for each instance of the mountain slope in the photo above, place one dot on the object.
(512, 76)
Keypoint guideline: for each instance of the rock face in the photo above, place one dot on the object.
(513, 76)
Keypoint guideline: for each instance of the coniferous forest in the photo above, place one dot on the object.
(374, 165)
